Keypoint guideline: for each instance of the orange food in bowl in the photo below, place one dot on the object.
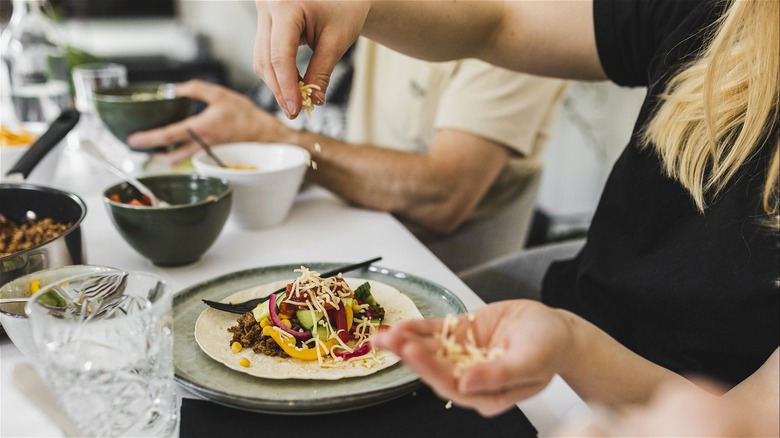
(241, 166)
(19, 137)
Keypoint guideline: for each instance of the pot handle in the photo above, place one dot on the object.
(59, 128)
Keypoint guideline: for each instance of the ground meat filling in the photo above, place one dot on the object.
(376, 312)
(16, 237)
(250, 335)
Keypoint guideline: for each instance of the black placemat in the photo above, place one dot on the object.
(419, 414)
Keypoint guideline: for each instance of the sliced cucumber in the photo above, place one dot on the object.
(261, 311)
(363, 294)
(305, 318)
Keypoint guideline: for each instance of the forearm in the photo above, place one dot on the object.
(603, 371)
(373, 177)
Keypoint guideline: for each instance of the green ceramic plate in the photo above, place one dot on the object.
(212, 380)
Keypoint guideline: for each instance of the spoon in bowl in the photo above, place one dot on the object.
(206, 148)
(101, 158)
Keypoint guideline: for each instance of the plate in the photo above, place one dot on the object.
(212, 380)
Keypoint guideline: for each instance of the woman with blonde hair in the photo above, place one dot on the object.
(679, 274)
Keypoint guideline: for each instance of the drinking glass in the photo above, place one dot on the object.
(90, 77)
(105, 347)
(86, 79)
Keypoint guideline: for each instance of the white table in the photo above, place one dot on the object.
(337, 232)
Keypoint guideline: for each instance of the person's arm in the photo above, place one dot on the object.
(749, 409)
(437, 190)
(538, 342)
(524, 36)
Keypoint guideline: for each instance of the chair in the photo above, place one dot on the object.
(520, 274)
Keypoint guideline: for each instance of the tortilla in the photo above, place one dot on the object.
(214, 339)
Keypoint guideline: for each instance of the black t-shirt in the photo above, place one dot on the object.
(692, 292)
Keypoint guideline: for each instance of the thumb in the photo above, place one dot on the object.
(323, 60)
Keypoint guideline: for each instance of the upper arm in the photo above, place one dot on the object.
(548, 38)
(763, 384)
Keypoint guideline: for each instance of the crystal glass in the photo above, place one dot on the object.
(91, 76)
(105, 347)
(86, 79)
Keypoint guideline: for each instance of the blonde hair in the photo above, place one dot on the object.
(716, 112)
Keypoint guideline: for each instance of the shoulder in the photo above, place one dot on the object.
(637, 39)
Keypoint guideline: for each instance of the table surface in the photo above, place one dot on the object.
(320, 228)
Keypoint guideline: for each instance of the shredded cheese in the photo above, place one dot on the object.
(311, 291)
(306, 90)
(466, 355)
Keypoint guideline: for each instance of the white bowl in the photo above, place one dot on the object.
(43, 173)
(263, 196)
(12, 316)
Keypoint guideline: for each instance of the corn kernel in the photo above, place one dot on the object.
(35, 286)
(356, 307)
(287, 323)
(236, 347)
(244, 362)
(267, 330)
(265, 322)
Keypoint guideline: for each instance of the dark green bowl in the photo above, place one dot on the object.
(138, 107)
(180, 233)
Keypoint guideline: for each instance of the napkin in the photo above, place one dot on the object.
(418, 414)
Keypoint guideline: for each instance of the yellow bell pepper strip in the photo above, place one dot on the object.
(288, 345)
(350, 316)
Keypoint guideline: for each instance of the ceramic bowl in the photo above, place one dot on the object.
(44, 171)
(140, 106)
(266, 181)
(172, 235)
(12, 316)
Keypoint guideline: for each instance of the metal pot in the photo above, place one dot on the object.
(18, 203)
(22, 202)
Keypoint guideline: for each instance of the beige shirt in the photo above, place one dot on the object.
(400, 102)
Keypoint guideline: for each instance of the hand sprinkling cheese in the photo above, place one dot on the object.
(306, 90)
(467, 355)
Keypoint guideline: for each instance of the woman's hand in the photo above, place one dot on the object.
(329, 28)
(229, 117)
(535, 340)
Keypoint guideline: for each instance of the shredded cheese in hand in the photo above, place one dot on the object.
(306, 90)
(467, 355)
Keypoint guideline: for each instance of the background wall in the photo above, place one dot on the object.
(591, 131)
(230, 26)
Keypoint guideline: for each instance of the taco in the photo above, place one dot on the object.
(317, 329)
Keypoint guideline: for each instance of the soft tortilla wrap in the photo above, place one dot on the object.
(214, 339)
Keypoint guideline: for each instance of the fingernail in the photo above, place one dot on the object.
(290, 109)
(318, 97)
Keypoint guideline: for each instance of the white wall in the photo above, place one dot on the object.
(594, 126)
(231, 26)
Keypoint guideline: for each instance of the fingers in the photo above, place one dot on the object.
(172, 134)
(276, 45)
(200, 90)
(321, 65)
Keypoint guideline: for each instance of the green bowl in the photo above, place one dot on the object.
(178, 234)
(140, 106)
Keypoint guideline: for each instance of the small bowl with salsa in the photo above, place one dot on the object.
(175, 234)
